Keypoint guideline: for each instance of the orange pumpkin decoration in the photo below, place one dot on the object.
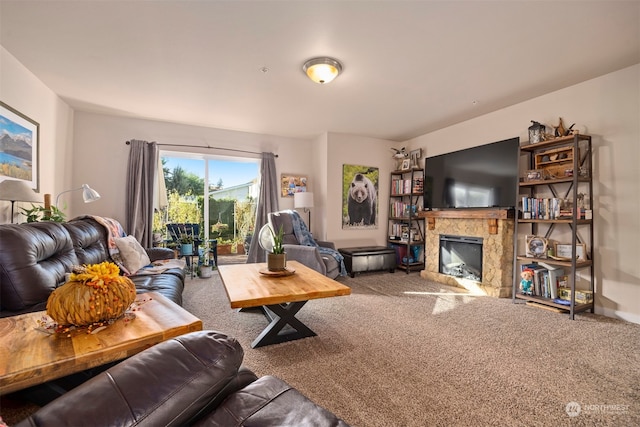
(94, 293)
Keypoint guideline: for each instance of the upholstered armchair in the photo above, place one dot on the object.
(307, 255)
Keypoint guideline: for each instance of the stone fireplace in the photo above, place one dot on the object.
(493, 228)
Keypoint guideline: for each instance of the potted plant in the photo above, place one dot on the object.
(186, 244)
(186, 239)
(40, 213)
(206, 267)
(158, 226)
(277, 259)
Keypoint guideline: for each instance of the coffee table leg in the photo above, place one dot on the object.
(282, 315)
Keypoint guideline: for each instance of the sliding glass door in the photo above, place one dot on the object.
(228, 185)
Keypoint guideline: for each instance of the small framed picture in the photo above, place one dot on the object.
(536, 246)
(406, 165)
(564, 250)
(534, 175)
(291, 184)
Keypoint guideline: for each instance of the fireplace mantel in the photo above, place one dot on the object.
(492, 215)
(469, 213)
(495, 226)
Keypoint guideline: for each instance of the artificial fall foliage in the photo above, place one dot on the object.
(94, 293)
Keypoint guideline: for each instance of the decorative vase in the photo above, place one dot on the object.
(276, 262)
(205, 271)
(186, 248)
(416, 253)
(94, 293)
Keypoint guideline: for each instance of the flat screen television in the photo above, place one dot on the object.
(484, 176)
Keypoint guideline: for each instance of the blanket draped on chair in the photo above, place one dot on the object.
(305, 238)
(114, 229)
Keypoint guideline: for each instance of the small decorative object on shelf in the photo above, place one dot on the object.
(560, 130)
(526, 284)
(94, 293)
(399, 155)
(534, 175)
(536, 246)
(563, 251)
(536, 132)
(415, 156)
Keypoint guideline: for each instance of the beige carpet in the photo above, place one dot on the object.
(401, 351)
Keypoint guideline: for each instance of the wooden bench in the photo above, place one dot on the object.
(368, 258)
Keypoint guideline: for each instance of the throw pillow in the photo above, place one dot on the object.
(133, 254)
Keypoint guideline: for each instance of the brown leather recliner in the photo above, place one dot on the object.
(195, 379)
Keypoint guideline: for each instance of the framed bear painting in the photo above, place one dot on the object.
(359, 197)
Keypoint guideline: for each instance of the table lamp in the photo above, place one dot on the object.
(17, 191)
(305, 201)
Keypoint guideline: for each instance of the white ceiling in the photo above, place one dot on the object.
(410, 67)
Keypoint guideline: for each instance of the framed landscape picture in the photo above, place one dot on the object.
(19, 147)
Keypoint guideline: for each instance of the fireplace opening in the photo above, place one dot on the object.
(461, 256)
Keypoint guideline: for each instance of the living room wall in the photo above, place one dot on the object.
(362, 151)
(99, 136)
(607, 108)
(21, 90)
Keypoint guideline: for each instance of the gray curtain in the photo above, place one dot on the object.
(143, 161)
(267, 203)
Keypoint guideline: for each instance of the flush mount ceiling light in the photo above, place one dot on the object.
(323, 69)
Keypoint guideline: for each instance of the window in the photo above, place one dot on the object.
(229, 184)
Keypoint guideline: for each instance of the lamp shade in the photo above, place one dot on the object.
(17, 191)
(303, 200)
(322, 70)
(88, 194)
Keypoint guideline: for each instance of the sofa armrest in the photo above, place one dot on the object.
(166, 385)
(307, 255)
(326, 244)
(156, 254)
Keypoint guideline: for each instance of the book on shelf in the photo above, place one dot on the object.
(542, 208)
(418, 185)
(554, 273)
(404, 186)
(547, 279)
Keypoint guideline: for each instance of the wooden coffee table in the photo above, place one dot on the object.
(280, 298)
(29, 357)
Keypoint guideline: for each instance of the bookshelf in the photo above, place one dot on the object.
(554, 229)
(406, 233)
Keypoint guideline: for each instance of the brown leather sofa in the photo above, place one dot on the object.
(35, 257)
(196, 379)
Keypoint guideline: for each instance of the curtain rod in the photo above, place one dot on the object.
(208, 147)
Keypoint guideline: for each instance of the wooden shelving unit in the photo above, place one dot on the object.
(565, 166)
(406, 233)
